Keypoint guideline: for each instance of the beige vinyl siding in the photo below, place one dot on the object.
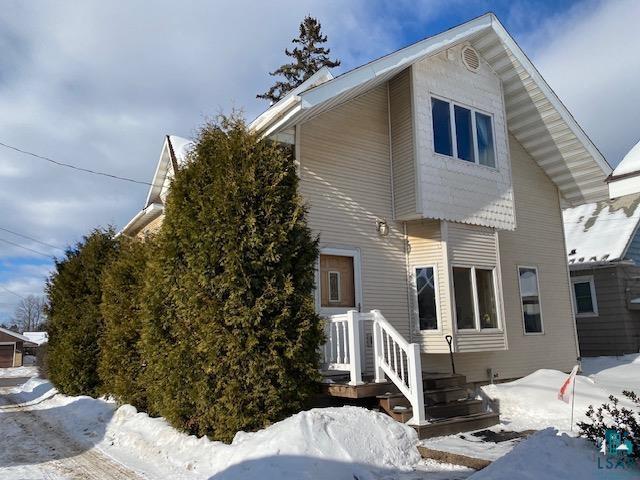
(427, 249)
(402, 145)
(151, 228)
(476, 246)
(471, 245)
(346, 183)
(537, 241)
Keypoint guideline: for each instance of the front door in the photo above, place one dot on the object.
(337, 283)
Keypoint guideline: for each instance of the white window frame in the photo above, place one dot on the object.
(454, 139)
(476, 305)
(414, 291)
(524, 328)
(329, 299)
(357, 279)
(594, 302)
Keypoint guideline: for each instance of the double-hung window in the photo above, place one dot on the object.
(475, 298)
(530, 298)
(462, 132)
(426, 297)
(584, 296)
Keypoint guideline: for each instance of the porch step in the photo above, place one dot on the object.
(365, 390)
(435, 381)
(454, 409)
(445, 395)
(450, 426)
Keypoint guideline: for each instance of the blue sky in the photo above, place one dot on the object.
(99, 84)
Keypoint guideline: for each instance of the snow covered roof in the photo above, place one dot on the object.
(536, 117)
(630, 163)
(37, 337)
(19, 337)
(600, 232)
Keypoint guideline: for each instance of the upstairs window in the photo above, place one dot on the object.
(584, 296)
(473, 132)
(440, 111)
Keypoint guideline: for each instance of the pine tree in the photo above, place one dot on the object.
(309, 56)
(74, 293)
(121, 363)
(231, 336)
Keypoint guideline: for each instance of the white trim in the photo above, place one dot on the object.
(524, 328)
(594, 301)
(415, 311)
(357, 279)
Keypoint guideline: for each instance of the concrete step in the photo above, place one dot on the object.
(445, 395)
(454, 409)
(435, 381)
(450, 426)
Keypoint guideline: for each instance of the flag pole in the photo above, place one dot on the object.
(573, 400)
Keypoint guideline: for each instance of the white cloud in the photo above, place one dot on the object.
(589, 56)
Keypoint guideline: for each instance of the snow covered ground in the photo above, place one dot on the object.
(47, 435)
(18, 372)
(331, 443)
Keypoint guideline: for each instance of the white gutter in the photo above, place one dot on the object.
(142, 218)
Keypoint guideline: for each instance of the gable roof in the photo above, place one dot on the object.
(601, 232)
(535, 115)
(630, 163)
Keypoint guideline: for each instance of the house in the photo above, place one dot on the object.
(434, 177)
(37, 339)
(603, 248)
(12, 346)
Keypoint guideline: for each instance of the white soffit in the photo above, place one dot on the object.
(535, 115)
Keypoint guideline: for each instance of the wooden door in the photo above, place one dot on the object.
(337, 282)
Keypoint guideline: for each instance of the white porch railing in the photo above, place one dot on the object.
(393, 356)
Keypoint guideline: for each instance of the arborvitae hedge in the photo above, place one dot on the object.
(74, 293)
(231, 335)
(121, 362)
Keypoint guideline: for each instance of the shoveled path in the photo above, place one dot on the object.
(33, 449)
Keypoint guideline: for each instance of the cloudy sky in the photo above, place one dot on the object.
(98, 84)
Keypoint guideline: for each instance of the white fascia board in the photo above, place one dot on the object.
(146, 214)
(263, 120)
(401, 58)
(163, 163)
(517, 52)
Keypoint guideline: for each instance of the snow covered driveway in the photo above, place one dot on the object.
(33, 449)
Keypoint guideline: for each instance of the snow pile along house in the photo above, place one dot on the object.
(434, 177)
(603, 250)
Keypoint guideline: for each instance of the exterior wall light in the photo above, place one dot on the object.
(382, 227)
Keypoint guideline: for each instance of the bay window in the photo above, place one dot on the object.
(426, 297)
(475, 298)
(530, 298)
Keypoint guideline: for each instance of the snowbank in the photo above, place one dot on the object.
(531, 402)
(331, 443)
(550, 456)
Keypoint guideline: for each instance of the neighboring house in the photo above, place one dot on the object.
(603, 248)
(434, 178)
(12, 346)
(37, 338)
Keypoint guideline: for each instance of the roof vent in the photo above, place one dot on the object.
(470, 58)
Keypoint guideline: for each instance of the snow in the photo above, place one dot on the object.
(181, 148)
(17, 372)
(552, 456)
(37, 337)
(331, 443)
(630, 163)
(601, 231)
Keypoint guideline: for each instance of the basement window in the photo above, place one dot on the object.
(472, 130)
